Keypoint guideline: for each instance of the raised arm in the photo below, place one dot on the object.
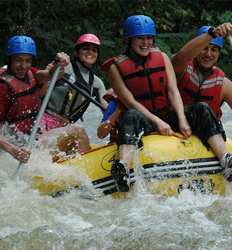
(44, 75)
(189, 51)
(196, 45)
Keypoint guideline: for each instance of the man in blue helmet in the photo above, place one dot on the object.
(204, 88)
(145, 83)
(21, 90)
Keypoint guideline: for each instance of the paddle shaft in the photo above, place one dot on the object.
(41, 112)
(84, 93)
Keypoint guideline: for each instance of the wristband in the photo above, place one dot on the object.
(211, 32)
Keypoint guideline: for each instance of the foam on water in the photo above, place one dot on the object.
(84, 219)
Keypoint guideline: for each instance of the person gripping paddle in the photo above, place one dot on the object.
(22, 87)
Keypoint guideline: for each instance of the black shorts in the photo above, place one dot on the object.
(202, 120)
(131, 127)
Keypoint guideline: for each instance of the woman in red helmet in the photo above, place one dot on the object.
(66, 104)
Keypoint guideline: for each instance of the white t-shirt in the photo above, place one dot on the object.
(97, 82)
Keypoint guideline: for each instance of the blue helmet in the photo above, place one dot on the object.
(21, 45)
(218, 41)
(138, 25)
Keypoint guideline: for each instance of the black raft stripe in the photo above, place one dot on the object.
(186, 174)
(110, 180)
(183, 165)
(180, 162)
(167, 173)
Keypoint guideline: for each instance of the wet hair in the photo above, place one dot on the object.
(78, 47)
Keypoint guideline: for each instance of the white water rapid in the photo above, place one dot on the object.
(86, 220)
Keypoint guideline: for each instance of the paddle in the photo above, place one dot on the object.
(41, 112)
(84, 93)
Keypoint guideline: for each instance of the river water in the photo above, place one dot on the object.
(87, 220)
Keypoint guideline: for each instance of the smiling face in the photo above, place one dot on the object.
(141, 45)
(208, 57)
(88, 54)
(20, 64)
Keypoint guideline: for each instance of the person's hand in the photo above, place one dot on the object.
(62, 59)
(185, 128)
(20, 154)
(164, 128)
(223, 30)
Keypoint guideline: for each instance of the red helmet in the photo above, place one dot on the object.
(88, 38)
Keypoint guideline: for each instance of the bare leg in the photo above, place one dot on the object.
(81, 139)
(76, 140)
(126, 153)
(120, 168)
(217, 145)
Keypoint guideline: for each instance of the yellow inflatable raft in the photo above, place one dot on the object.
(166, 164)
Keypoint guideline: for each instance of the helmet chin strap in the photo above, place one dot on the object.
(205, 70)
(85, 66)
(136, 57)
(202, 70)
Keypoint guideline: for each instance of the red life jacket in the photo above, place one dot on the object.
(147, 83)
(25, 100)
(209, 91)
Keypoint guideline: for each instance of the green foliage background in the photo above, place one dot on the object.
(55, 24)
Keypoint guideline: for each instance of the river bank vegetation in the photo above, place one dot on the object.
(55, 24)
